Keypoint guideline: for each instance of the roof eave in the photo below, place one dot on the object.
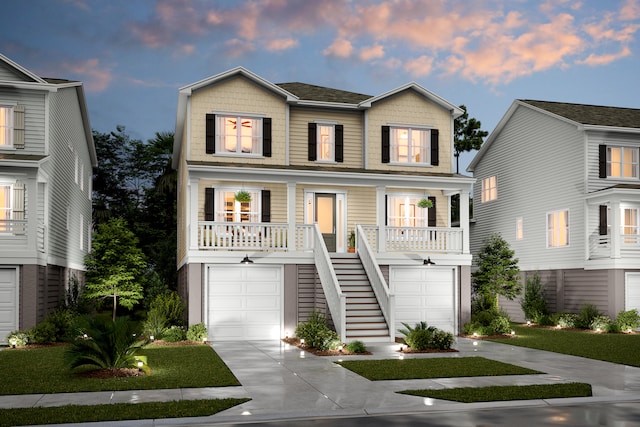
(601, 128)
(22, 70)
(455, 111)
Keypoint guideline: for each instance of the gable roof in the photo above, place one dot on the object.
(310, 92)
(583, 116)
(455, 111)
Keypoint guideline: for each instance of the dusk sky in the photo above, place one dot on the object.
(133, 55)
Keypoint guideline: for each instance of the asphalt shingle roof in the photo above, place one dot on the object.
(591, 114)
(323, 94)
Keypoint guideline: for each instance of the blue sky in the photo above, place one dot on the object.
(133, 55)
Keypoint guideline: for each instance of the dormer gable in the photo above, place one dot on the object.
(10, 71)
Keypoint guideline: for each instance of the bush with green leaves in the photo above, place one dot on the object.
(174, 334)
(488, 322)
(155, 325)
(442, 340)
(197, 332)
(356, 347)
(565, 320)
(600, 323)
(533, 303)
(170, 306)
(627, 320)
(587, 313)
(316, 332)
(104, 343)
(18, 338)
(423, 337)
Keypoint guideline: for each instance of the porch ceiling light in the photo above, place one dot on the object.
(246, 260)
(428, 262)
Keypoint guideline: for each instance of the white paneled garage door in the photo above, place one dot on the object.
(632, 291)
(244, 302)
(424, 294)
(8, 302)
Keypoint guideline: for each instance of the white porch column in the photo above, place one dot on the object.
(291, 216)
(615, 229)
(31, 209)
(192, 214)
(464, 220)
(381, 218)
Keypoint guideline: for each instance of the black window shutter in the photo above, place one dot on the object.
(435, 152)
(312, 142)
(266, 137)
(266, 205)
(339, 136)
(210, 135)
(602, 226)
(386, 209)
(386, 144)
(209, 212)
(431, 212)
(602, 161)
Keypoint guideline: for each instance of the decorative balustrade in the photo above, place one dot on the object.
(601, 247)
(13, 226)
(253, 236)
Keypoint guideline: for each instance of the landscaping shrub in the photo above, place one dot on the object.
(588, 312)
(627, 320)
(533, 303)
(600, 322)
(500, 325)
(170, 306)
(43, 333)
(174, 334)
(565, 320)
(488, 322)
(197, 332)
(316, 332)
(442, 340)
(155, 324)
(356, 347)
(18, 338)
(423, 337)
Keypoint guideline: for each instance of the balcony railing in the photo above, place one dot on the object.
(13, 226)
(254, 236)
(601, 246)
(416, 239)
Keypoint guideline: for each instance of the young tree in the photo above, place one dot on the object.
(467, 135)
(115, 265)
(497, 272)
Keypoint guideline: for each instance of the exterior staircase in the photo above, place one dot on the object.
(365, 321)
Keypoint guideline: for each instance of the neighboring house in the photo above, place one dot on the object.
(318, 164)
(560, 183)
(47, 158)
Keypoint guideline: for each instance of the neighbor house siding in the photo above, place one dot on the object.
(237, 95)
(595, 139)
(526, 157)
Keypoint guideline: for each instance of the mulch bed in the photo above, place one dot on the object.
(344, 352)
(102, 374)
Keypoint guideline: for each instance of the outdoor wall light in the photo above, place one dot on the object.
(246, 260)
(428, 261)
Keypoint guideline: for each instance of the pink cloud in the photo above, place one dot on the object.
(95, 76)
(281, 44)
(340, 48)
(237, 47)
(371, 52)
(419, 67)
(595, 60)
(630, 10)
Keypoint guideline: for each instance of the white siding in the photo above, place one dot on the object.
(595, 139)
(34, 116)
(539, 164)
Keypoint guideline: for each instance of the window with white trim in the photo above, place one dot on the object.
(6, 126)
(6, 206)
(622, 162)
(228, 209)
(403, 211)
(489, 189)
(630, 229)
(558, 228)
(519, 228)
(326, 142)
(238, 135)
(410, 145)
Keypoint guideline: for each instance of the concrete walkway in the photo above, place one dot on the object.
(285, 383)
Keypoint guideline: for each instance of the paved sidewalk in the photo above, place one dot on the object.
(285, 382)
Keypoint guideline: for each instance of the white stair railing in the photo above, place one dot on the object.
(386, 299)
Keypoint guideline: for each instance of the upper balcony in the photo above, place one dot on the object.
(614, 246)
(14, 234)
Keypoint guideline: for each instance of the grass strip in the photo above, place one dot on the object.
(171, 367)
(441, 367)
(615, 348)
(500, 393)
(115, 412)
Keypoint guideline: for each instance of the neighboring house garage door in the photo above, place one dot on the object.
(244, 302)
(632, 291)
(8, 302)
(424, 294)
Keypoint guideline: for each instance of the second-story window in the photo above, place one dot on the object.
(410, 145)
(326, 142)
(6, 126)
(6, 206)
(239, 135)
(489, 189)
(630, 228)
(622, 162)
(558, 229)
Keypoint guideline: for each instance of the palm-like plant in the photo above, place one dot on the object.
(104, 343)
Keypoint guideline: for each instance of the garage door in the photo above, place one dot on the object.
(244, 302)
(632, 291)
(424, 294)
(8, 302)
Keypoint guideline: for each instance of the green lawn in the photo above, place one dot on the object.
(501, 393)
(616, 348)
(171, 367)
(441, 367)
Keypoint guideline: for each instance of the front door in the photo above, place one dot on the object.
(326, 218)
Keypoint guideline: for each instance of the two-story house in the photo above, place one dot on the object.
(46, 161)
(279, 176)
(560, 182)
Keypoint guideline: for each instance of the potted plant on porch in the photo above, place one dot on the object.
(243, 196)
(352, 242)
(425, 203)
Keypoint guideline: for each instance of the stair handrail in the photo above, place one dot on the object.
(336, 300)
(386, 299)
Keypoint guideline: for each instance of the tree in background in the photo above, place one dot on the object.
(497, 272)
(115, 266)
(467, 135)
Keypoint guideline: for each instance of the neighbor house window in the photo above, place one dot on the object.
(558, 229)
(630, 225)
(519, 228)
(238, 135)
(403, 211)
(622, 162)
(6, 126)
(489, 189)
(231, 210)
(6, 205)
(410, 145)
